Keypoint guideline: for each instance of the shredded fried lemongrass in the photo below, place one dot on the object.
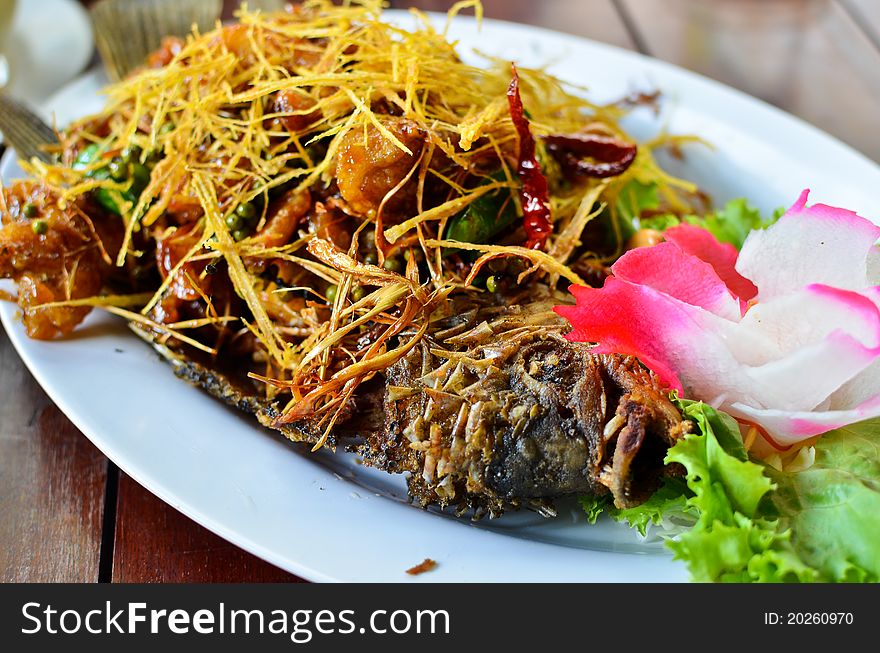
(536, 257)
(120, 301)
(250, 114)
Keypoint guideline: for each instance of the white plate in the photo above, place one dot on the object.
(324, 517)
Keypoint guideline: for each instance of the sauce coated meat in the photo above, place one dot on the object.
(370, 165)
(54, 254)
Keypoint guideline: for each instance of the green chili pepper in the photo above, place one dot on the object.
(131, 153)
(484, 218)
(118, 170)
(87, 156)
(140, 179)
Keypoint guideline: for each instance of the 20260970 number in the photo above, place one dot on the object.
(809, 618)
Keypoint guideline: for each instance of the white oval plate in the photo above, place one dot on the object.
(325, 518)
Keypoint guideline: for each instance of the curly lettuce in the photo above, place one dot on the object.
(730, 224)
(732, 519)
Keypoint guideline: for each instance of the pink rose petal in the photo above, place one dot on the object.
(721, 256)
(787, 428)
(672, 271)
(816, 244)
(661, 331)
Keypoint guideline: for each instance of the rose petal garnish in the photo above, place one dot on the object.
(815, 244)
(802, 356)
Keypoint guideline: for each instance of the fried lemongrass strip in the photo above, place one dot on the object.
(359, 103)
(241, 279)
(365, 273)
(445, 210)
(197, 323)
(568, 238)
(325, 272)
(383, 299)
(100, 301)
(371, 362)
(539, 259)
(471, 128)
(159, 328)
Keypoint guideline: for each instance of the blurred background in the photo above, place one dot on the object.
(818, 59)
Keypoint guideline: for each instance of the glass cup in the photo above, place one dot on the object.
(7, 11)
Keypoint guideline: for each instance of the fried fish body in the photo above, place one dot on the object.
(508, 412)
(496, 411)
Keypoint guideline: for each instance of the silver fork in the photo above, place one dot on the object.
(25, 131)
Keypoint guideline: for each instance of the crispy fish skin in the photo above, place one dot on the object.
(233, 387)
(496, 411)
(523, 417)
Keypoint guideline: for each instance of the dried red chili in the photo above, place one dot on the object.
(611, 156)
(534, 194)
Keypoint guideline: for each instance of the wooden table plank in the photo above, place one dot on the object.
(807, 56)
(51, 485)
(155, 543)
(595, 19)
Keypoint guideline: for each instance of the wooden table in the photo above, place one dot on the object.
(68, 514)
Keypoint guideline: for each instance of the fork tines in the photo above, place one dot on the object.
(25, 131)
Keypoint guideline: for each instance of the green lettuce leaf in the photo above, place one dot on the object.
(735, 221)
(833, 508)
(744, 521)
(636, 197)
(594, 506)
(667, 508)
(730, 224)
(731, 540)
